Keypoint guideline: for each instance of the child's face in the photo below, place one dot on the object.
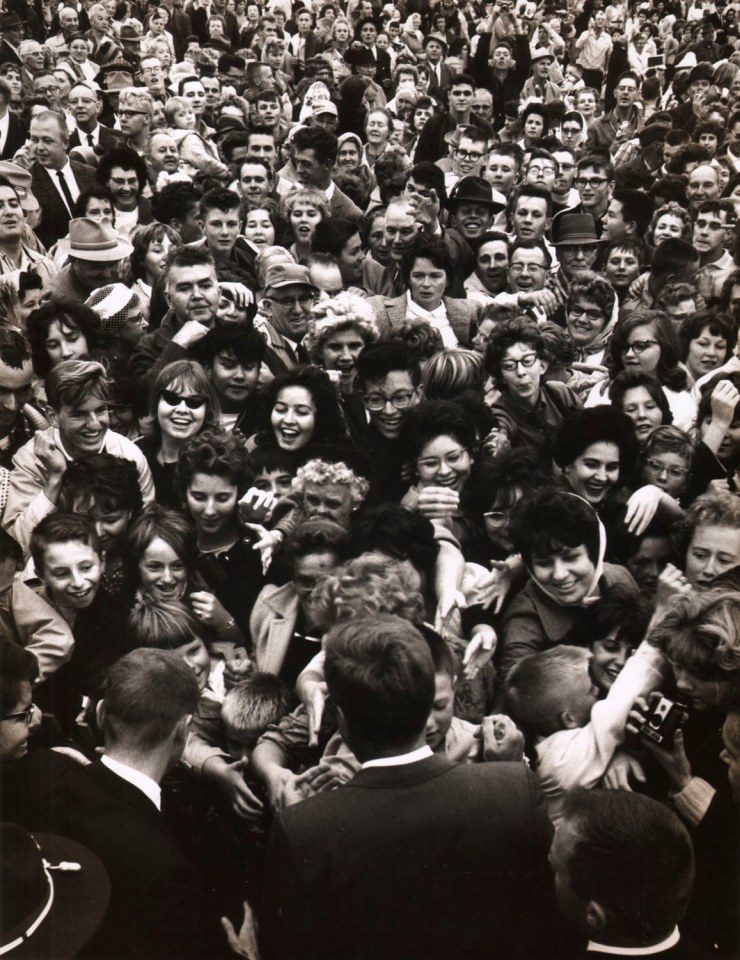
(195, 654)
(241, 743)
(440, 716)
(277, 482)
(71, 574)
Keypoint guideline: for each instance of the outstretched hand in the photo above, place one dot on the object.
(243, 944)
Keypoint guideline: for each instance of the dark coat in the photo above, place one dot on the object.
(426, 860)
(17, 135)
(108, 139)
(55, 216)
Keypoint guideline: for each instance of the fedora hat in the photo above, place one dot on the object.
(20, 178)
(53, 895)
(90, 240)
(10, 21)
(286, 275)
(435, 36)
(571, 227)
(475, 190)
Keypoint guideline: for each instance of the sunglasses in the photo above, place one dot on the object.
(174, 399)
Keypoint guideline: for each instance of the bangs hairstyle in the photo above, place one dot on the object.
(156, 522)
(71, 316)
(346, 311)
(631, 380)
(718, 324)
(143, 238)
(103, 481)
(183, 375)
(510, 332)
(669, 372)
(549, 520)
(366, 586)
(436, 418)
(701, 633)
(61, 528)
(669, 440)
(617, 610)
(452, 372)
(215, 453)
(329, 423)
(500, 481)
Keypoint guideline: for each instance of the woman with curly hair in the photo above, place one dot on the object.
(535, 125)
(338, 331)
(647, 342)
(182, 402)
(671, 221)
(211, 476)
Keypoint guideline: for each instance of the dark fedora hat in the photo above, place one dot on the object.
(571, 227)
(53, 895)
(10, 21)
(475, 190)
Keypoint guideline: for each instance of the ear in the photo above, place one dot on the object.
(342, 723)
(50, 414)
(567, 722)
(100, 714)
(545, 365)
(596, 918)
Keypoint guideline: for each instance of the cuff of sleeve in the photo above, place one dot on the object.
(693, 801)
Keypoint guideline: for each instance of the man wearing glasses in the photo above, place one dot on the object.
(594, 181)
(289, 297)
(135, 111)
(622, 123)
(432, 145)
(85, 106)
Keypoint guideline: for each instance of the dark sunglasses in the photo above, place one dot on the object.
(175, 399)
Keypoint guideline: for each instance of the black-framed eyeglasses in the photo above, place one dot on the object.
(174, 399)
(305, 300)
(23, 716)
(511, 366)
(468, 155)
(127, 114)
(582, 312)
(591, 182)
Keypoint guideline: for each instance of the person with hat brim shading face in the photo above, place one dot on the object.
(706, 49)
(431, 144)
(11, 28)
(473, 205)
(96, 254)
(18, 206)
(440, 75)
(685, 115)
(539, 86)
(54, 894)
(289, 298)
(574, 237)
(130, 37)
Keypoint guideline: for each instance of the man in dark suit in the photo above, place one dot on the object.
(86, 106)
(416, 857)
(113, 807)
(56, 181)
(12, 131)
(11, 28)
(624, 871)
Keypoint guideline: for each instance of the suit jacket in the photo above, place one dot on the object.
(55, 216)
(17, 135)
(155, 907)
(272, 625)
(435, 86)
(7, 53)
(426, 860)
(108, 139)
(390, 312)
(340, 205)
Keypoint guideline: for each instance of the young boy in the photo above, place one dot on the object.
(249, 708)
(232, 356)
(552, 698)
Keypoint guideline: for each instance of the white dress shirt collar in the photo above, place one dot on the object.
(137, 779)
(421, 753)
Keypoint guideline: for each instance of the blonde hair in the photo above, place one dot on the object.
(321, 472)
(346, 311)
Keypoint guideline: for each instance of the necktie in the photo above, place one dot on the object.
(65, 191)
(91, 140)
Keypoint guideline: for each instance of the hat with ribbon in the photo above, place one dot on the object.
(570, 227)
(53, 895)
(10, 21)
(114, 304)
(98, 242)
(438, 38)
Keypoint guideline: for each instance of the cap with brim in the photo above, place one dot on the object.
(116, 80)
(52, 912)
(324, 106)
(10, 20)
(702, 71)
(573, 228)
(97, 242)
(20, 179)
(286, 275)
(130, 34)
(228, 124)
(652, 133)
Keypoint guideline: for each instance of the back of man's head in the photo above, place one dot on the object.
(380, 673)
(146, 695)
(624, 866)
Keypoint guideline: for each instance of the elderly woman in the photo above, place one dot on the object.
(193, 149)
(337, 332)
(590, 316)
(302, 210)
(378, 128)
(427, 272)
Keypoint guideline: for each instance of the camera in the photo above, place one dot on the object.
(663, 720)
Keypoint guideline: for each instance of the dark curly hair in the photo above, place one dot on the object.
(329, 426)
(518, 330)
(127, 159)
(68, 313)
(719, 324)
(215, 453)
(603, 424)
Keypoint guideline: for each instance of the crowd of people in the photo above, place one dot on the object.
(369, 474)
